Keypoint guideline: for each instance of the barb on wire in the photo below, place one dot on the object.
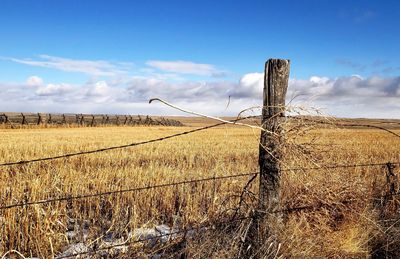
(68, 198)
(121, 146)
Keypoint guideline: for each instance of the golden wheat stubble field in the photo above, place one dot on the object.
(352, 225)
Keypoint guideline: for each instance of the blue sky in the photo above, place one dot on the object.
(110, 56)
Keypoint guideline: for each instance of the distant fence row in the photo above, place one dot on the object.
(84, 119)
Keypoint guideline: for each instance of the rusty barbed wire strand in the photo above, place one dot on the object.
(339, 166)
(69, 197)
(345, 124)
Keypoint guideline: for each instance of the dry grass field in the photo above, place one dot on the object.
(352, 225)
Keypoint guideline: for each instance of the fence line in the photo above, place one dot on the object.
(83, 119)
(121, 146)
(143, 188)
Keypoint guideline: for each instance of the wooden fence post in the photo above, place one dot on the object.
(92, 123)
(391, 179)
(6, 118)
(276, 80)
(50, 120)
(150, 120)
(39, 119)
(23, 119)
(64, 119)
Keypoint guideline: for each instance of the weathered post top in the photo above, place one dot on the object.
(276, 79)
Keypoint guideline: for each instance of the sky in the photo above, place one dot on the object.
(206, 56)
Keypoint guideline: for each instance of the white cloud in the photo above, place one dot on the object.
(100, 88)
(319, 80)
(34, 81)
(90, 67)
(54, 89)
(343, 96)
(101, 92)
(186, 67)
(250, 86)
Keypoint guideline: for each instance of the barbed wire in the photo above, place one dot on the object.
(339, 166)
(92, 195)
(67, 198)
(327, 205)
(376, 122)
(345, 124)
(121, 146)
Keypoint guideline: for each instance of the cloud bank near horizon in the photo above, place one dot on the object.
(350, 96)
(113, 88)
